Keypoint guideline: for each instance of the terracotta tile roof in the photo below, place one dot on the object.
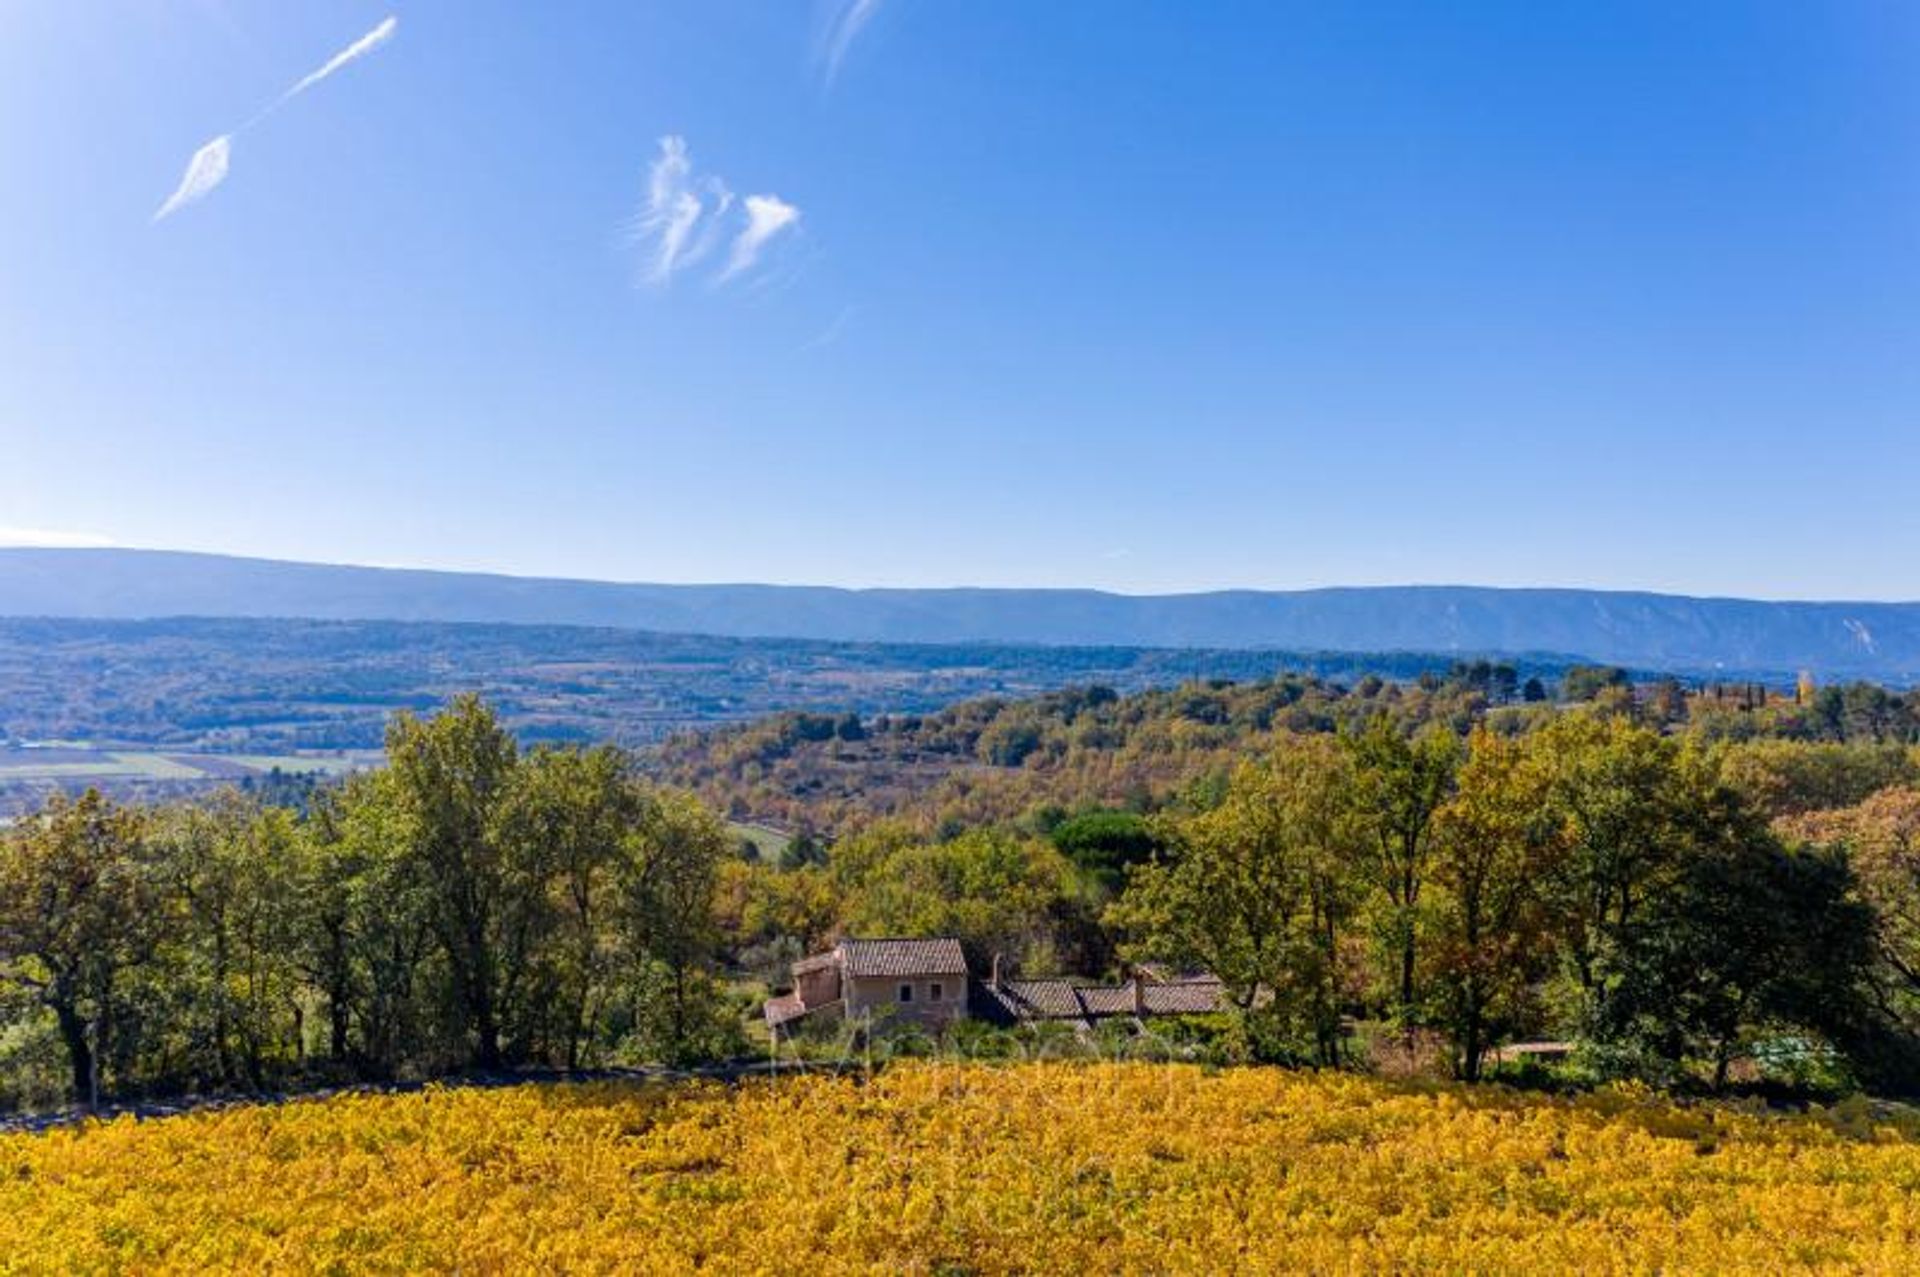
(1185, 997)
(1016, 1000)
(818, 962)
(1043, 999)
(994, 1005)
(903, 957)
(1104, 999)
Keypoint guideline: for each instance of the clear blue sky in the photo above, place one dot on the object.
(1145, 297)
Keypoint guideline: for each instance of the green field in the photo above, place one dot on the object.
(766, 840)
(83, 763)
(322, 764)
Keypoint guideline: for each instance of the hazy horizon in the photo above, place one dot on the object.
(956, 586)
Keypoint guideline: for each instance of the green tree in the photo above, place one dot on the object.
(368, 941)
(802, 851)
(1399, 783)
(564, 825)
(1624, 808)
(1106, 843)
(1585, 682)
(998, 892)
(667, 886)
(450, 773)
(1495, 847)
(230, 977)
(79, 916)
(1752, 936)
(1258, 890)
(1787, 778)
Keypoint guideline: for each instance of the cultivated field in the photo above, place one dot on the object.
(28, 773)
(84, 764)
(970, 1169)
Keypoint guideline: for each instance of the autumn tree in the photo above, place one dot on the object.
(998, 891)
(1881, 838)
(1258, 890)
(1787, 778)
(1495, 847)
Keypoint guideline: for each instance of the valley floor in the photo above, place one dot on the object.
(969, 1169)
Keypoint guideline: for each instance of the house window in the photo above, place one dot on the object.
(935, 992)
(906, 993)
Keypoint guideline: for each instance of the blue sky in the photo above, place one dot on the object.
(1147, 297)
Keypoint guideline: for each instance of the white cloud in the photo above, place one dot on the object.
(51, 539)
(208, 167)
(848, 18)
(686, 213)
(206, 170)
(352, 53)
(767, 216)
(677, 222)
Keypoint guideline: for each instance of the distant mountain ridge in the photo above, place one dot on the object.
(1645, 630)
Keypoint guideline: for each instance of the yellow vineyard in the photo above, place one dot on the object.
(938, 1169)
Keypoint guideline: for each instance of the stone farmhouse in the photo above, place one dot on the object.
(929, 983)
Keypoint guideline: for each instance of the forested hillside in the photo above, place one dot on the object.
(155, 709)
(268, 686)
(999, 758)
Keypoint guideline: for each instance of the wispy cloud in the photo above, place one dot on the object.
(844, 23)
(685, 213)
(352, 53)
(828, 335)
(681, 217)
(208, 167)
(52, 539)
(767, 216)
(206, 170)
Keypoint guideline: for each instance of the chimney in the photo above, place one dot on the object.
(993, 977)
(1139, 993)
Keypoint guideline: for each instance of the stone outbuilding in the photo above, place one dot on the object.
(921, 980)
(928, 982)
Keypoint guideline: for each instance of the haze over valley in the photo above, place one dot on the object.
(1673, 633)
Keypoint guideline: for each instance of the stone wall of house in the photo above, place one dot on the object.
(880, 995)
(817, 988)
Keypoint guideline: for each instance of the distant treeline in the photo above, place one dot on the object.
(274, 686)
(1696, 887)
(996, 758)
